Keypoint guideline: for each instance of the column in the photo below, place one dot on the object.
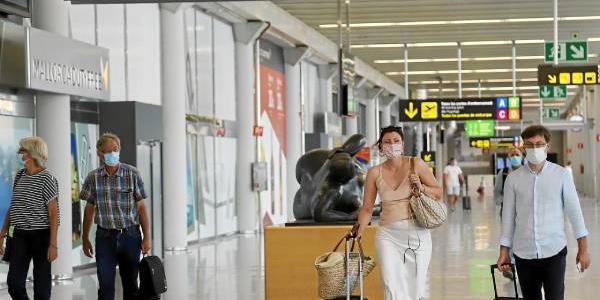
(326, 73)
(53, 124)
(245, 34)
(421, 94)
(386, 116)
(293, 122)
(174, 132)
(351, 125)
(372, 123)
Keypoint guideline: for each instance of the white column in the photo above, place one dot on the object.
(351, 125)
(53, 124)
(245, 35)
(386, 116)
(293, 129)
(326, 73)
(173, 118)
(175, 266)
(372, 124)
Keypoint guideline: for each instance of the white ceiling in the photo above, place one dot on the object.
(319, 12)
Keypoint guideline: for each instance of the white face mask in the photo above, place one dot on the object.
(536, 155)
(392, 151)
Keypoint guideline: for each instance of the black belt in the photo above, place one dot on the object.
(119, 230)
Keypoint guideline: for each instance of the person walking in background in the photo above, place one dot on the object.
(403, 248)
(542, 193)
(115, 201)
(453, 179)
(34, 216)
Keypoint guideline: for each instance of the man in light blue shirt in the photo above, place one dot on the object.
(537, 197)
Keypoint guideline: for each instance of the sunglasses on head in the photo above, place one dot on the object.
(391, 128)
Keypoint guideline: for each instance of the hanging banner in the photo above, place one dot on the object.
(457, 109)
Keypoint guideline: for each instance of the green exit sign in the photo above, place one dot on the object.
(479, 128)
(567, 51)
(551, 113)
(553, 92)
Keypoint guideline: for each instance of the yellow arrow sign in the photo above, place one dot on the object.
(427, 157)
(411, 112)
(551, 79)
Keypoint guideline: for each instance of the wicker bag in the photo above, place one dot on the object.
(331, 269)
(428, 212)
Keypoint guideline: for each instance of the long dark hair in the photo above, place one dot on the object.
(383, 131)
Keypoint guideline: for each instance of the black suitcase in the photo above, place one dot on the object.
(512, 269)
(466, 199)
(153, 281)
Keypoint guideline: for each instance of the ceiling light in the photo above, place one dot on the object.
(506, 80)
(461, 22)
(454, 44)
(502, 127)
(479, 71)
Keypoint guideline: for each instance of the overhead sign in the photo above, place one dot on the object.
(567, 51)
(480, 128)
(456, 109)
(551, 113)
(495, 142)
(71, 68)
(565, 75)
(428, 156)
(553, 92)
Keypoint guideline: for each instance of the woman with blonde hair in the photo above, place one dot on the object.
(33, 216)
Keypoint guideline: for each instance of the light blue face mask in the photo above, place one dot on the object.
(111, 158)
(515, 161)
(20, 160)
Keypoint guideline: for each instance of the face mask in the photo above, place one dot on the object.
(21, 160)
(111, 158)
(536, 155)
(515, 161)
(391, 151)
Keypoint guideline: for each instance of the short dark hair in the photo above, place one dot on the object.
(385, 130)
(536, 130)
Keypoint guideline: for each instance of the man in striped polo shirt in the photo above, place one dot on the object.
(115, 201)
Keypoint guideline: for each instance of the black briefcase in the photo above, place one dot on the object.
(153, 281)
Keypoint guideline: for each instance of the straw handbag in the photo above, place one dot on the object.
(428, 212)
(332, 270)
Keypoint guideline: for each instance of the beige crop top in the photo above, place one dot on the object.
(394, 202)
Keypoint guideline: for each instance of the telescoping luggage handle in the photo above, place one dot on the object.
(512, 269)
(351, 236)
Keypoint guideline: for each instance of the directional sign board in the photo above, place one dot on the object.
(480, 128)
(553, 92)
(499, 108)
(567, 51)
(495, 142)
(565, 75)
(551, 113)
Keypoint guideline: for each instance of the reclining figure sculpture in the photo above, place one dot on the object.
(331, 183)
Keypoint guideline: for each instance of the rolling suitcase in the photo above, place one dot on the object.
(512, 269)
(466, 199)
(153, 281)
(350, 284)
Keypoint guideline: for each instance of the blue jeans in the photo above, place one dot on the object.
(122, 247)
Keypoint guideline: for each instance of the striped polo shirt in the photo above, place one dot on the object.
(114, 196)
(31, 195)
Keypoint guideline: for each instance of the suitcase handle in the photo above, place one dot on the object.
(512, 269)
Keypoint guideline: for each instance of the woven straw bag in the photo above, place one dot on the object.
(428, 212)
(331, 269)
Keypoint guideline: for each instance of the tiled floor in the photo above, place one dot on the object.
(463, 250)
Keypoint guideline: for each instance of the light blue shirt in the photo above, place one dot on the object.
(534, 210)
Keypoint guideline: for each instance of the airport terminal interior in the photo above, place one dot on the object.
(253, 126)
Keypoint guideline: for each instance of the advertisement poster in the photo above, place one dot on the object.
(273, 148)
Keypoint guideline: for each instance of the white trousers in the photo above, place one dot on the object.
(403, 252)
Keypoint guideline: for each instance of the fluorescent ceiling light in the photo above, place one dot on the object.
(494, 88)
(502, 127)
(507, 80)
(461, 22)
(430, 60)
(454, 44)
(478, 71)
